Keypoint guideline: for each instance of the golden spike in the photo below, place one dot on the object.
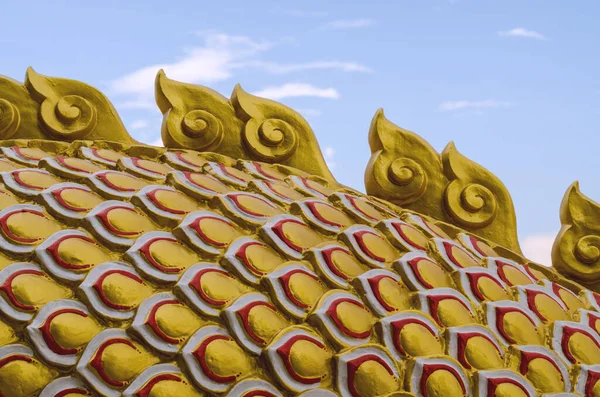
(196, 117)
(407, 171)
(403, 167)
(274, 133)
(576, 249)
(18, 112)
(477, 200)
(244, 127)
(72, 110)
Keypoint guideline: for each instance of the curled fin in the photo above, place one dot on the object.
(72, 110)
(576, 249)
(196, 117)
(274, 133)
(477, 200)
(18, 112)
(403, 168)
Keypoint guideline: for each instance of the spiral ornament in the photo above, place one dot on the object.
(587, 249)
(270, 140)
(410, 176)
(70, 117)
(470, 205)
(10, 119)
(197, 129)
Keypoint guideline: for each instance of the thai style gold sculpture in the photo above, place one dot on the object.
(231, 263)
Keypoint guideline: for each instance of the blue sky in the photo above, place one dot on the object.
(513, 83)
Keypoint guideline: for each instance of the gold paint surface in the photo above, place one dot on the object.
(491, 290)
(36, 290)
(301, 235)
(29, 225)
(549, 308)
(265, 322)
(172, 254)
(72, 330)
(544, 376)
(394, 294)
(433, 274)
(78, 252)
(221, 287)
(218, 230)
(452, 313)
(80, 199)
(354, 317)
(13, 374)
(176, 200)
(458, 195)
(483, 354)
(509, 390)
(407, 171)
(372, 379)
(128, 221)
(520, 329)
(123, 363)
(124, 291)
(305, 288)
(418, 341)
(584, 349)
(442, 383)
(177, 321)
(309, 360)
(226, 358)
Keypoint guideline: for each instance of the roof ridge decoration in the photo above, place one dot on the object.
(406, 170)
(246, 126)
(56, 108)
(576, 249)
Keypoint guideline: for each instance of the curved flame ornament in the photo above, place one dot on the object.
(71, 110)
(403, 167)
(196, 117)
(407, 171)
(17, 110)
(576, 249)
(244, 127)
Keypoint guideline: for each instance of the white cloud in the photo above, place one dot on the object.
(329, 154)
(538, 248)
(522, 32)
(348, 24)
(210, 63)
(277, 68)
(297, 90)
(451, 106)
(216, 60)
(139, 124)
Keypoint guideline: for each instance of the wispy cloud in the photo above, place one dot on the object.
(278, 68)
(297, 90)
(522, 32)
(329, 154)
(217, 59)
(538, 248)
(348, 24)
(138, 124)
(452, 106)
(210, 63)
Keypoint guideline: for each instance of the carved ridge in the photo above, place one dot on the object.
(50, 107)
(576, 249)
(407, 171)
(245, 126)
